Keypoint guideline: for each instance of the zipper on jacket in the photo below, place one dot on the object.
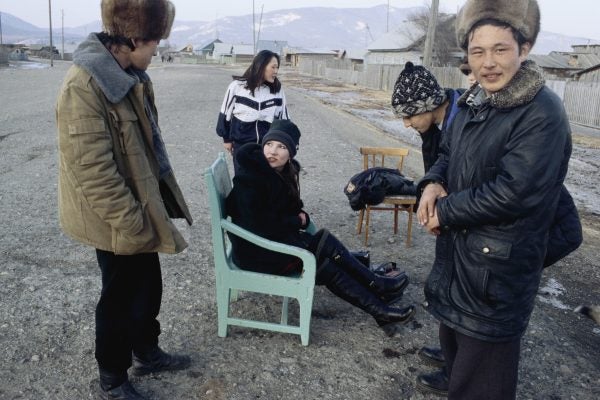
(257, 119)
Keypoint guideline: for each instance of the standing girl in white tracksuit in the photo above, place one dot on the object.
(251, 103)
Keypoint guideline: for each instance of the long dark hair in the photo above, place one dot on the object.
(255, 73)
(291, 176)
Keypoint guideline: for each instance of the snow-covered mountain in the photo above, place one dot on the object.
(323, 27)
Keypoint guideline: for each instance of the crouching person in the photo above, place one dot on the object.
(266, 201)
(117, 191)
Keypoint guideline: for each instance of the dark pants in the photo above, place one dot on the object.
(480, 370)
(127, 310)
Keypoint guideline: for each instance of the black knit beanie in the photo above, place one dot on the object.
(286, 132)
(416, 91)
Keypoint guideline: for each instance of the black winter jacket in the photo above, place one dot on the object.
(503, 163)
(261, 202)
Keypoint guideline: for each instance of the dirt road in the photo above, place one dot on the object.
(49, 284)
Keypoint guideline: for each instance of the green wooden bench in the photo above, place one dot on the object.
(230, 279)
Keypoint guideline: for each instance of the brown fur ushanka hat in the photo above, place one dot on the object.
(522, 15)
(138, 19)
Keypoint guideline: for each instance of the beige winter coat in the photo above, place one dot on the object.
(109, 195)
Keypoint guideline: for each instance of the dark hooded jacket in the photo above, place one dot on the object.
(261, 202)
(503, 162)
(433, 136)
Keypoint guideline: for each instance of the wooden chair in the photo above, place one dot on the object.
(376, 157)
(230, 278)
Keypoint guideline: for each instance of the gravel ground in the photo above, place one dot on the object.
(49, 284)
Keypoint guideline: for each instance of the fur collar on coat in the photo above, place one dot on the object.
(522, 88)
(115, 83)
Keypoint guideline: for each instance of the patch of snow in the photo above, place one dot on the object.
(550, 292)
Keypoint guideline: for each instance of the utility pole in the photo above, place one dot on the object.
(253, 28)
(51, 46)
(63, 33)
(428, 47)
(259, 28)
(0, 29)
(387, 23)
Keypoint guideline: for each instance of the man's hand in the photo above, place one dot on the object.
(228, 147)
(426, 210)
(302, 217)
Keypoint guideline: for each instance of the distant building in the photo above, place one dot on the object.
(227, 53)
(276, 46)
(563, 65)
(206, 50)
(294, 55)
(406, 43)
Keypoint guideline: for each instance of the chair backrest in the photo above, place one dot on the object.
(376, 157)
(218, 182)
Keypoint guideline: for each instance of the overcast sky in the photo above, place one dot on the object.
(570, 17)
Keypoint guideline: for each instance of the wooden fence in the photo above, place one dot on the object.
(581, 99)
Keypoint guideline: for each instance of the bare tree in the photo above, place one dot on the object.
(444, 43)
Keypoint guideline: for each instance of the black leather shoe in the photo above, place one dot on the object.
(434, 382)
(432, 356)
(157, 361)
(123, 392)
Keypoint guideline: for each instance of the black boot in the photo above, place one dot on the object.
(328, 246)
(347, 288)
(157, 360)
(436, 382)
(116, 387)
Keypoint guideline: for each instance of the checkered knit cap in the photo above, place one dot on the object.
(416, 91)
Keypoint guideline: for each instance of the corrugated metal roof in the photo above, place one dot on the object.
(567, 61)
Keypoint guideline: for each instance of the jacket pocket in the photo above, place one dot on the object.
(88, 138)
(143, 241)
(478, 285)
(125, 122)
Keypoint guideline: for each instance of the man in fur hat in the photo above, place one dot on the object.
(424, 106)
(117, 190)
(490, 198)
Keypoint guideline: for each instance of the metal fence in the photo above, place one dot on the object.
(581, 99)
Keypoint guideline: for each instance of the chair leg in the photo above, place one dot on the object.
(222, 311)
(360, 221)
(305, 312)
(410, 218)
(284, 310)
(368, 219)
(395, 219)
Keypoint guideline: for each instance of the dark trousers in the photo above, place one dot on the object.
(127, 310)
(480, 370)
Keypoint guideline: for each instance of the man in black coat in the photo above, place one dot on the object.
(491, 198)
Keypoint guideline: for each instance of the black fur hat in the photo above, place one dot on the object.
(522, 15)
(138, 19)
